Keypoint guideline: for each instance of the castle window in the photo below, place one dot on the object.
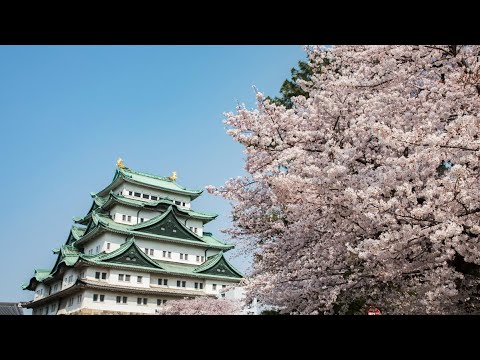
(79, 299)
(198, 258)
(120, 277)
(169, 254)
(214, 287)
(127, 277)
(153, 197)
(124, 217)
(202, 258)
(95, 297)
(164, 302)
(137, 194)
(55, 287)
(186, 256)
(102, 298)
(151, 251)
(177, 202)
(119, 299)
(125, 299)
(184, 283)
(129, 218)
(181, 256)
(130, 193)
(97, 275)
(201, 286)
(159, 302)
(104, 276)
(142, 220)
(108, 246)
(146, 251)
(139, 279)
(141, 301)
(222, 295)
(164, 254)
(145, 196)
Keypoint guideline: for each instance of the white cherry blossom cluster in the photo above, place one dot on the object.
(368, 191)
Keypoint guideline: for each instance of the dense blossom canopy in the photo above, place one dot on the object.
(201, 306)
(368, 192)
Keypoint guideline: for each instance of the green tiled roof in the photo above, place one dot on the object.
(163, 266)
(214, 260)
(103, 256)
(210, 239)
(211, 261)
(153, 181)
(135, 230)
(177, 268)
(40, 275)
(77, 232)
(117, 198)
(69, 256)
(157, 181)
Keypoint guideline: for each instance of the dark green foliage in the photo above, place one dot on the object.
(443, 167)
(270, 312)
(290, 88)
(355, 307)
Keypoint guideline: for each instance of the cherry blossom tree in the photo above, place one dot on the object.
(201, 306)
(368, 192)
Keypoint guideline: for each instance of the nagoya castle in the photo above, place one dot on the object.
(140, 245)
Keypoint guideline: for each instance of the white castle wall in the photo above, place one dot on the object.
(146, 190)
(119, 209)
(158, 247)
(69, 278)
(41, 291)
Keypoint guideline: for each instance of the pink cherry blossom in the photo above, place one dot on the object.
(201, 306)
(368, 192)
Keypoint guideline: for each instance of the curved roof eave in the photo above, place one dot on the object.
(214, 261)
(127, 175)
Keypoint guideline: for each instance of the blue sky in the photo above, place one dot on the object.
(68, 112)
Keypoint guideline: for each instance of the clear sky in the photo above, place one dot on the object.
(68, 112)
